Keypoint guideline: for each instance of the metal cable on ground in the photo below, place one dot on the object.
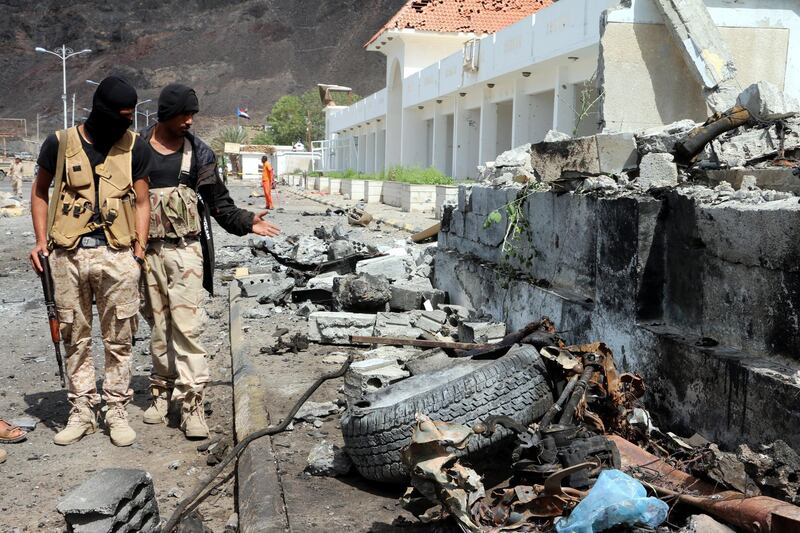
(193, 500)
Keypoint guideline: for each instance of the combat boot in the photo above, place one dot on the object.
(159, 406)
(82, 421)
(117, 423)
(193, 417)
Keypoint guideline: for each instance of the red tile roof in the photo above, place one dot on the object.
(471, 16)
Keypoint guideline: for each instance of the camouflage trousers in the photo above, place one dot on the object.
(16, 185)
(110, 278)
(173, 307)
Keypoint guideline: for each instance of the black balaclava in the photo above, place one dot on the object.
(176, 99)
(105, 125)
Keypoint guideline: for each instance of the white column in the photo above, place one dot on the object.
(487, 140)
(362, 152)
(380, 150)
(460, 140)
(412, 153)
(369, 166)
(440, 154)
(564, 103)
(520, 122)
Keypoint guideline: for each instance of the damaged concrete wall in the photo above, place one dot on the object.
(670, 283)
(646, 82)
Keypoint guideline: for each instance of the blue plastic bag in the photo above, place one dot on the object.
(615, 499)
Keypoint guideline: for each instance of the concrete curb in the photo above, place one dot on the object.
(260, 500)
(383, 220)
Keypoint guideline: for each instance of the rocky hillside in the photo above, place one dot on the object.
(234, 52)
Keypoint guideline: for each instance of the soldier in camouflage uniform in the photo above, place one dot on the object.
(185, 189)
(94, 229)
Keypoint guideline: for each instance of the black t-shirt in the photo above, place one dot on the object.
(165, 169)
(48, 156)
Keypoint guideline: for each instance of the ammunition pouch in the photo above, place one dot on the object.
(174, 213)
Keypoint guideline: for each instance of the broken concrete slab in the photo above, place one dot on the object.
(111, 499)
(336, 328)
(306, 308)
(397, 325)
(431, 321)
(431, 361)
(323, 281)
(704, 50)
(393, 267)
(364, 377)
(363, 292)
(481, 332)
(594, 155)
(270, 287)
(409, 295)
(767, 102)
(657, 170)
(328, 460)
(309, 251)
(397, 353)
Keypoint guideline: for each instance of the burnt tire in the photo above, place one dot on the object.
(513, 385)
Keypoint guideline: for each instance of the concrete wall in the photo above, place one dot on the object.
(646, 82)
(657, 280)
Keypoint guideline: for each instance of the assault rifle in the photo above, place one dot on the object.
(52, 317)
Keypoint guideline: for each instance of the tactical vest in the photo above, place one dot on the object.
(174, 212)
(77, 200)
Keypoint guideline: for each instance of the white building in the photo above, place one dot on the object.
(464, 83)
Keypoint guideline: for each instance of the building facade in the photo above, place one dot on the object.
(460, 90)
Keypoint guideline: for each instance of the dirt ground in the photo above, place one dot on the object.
(38, 473)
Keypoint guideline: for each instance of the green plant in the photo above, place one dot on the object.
(418, 176)
(233, 134)
(296, 118)
(517, 223)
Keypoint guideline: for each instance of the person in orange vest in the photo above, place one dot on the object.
(266, 181)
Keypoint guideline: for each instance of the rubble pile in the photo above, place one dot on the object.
(747, 154)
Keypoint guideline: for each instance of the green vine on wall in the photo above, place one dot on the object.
(518, 225)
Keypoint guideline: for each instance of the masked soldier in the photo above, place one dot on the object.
(185, 190)
(95, 230)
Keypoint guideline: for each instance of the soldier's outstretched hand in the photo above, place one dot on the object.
(264, 228)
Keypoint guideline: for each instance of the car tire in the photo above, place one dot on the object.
(378, 428)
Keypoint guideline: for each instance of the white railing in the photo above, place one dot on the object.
(336, 154)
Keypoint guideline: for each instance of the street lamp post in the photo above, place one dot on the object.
(136, 114)
(64, 53)
(147, 114)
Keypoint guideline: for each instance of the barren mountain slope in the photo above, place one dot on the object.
(246, 52)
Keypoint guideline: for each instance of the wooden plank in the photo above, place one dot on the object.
(419, 343)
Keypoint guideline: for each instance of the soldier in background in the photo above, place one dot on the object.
(95, 231)
(185, 189)
(15, 174)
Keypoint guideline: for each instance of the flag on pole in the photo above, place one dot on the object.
(242, 112)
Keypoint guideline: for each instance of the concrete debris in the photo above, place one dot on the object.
(364, 377)
(774, 469)
(431, 321)
(431, 361)
(516, 157)
(397, 353)
(306, 308)
(309, 251)
(340, 249)
(702, 523)
(657, 170)
(267, 288)
(664, 138)
(337, 328)
(766, 102)
(363, 292)
(340, 231)
(594, 155)
(597, 184)
(114, 499)
(409, 295)
(336, 358)
(323, 281)
(325, 459)
(555, 136)
(481, 332)
(313, 410)
(746, 146)
(391, 267)
(397, 325)
(259, 313)
(232, 525)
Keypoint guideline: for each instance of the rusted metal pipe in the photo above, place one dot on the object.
(756, 514)
(697, 139)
